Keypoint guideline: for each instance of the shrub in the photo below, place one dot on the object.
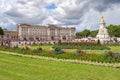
(39, 49)
(98, 42)
(109, 54)
(79, 52)
(59, 42)
(106, 54)
(35, 51)
(15, 47)
(23, 49)
(2, 44)
(58, 51)
(117, 55)
(27, 48)
(82, 45)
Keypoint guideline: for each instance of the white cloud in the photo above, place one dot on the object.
(76, 13)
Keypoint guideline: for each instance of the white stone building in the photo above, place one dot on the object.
(45, 33)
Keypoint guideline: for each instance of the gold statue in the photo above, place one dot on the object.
(102, 19)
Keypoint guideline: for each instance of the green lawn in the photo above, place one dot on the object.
(46, 47)
(21, 68)
(115, 48)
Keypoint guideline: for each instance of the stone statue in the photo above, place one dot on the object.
(102, 33)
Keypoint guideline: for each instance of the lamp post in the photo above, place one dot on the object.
(9, 43)
(1, 40)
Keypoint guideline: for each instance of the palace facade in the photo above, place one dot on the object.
(45, 33)
(12, 35)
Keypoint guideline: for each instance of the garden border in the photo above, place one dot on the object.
(114, 65)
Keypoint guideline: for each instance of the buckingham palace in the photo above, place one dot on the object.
(45, 33)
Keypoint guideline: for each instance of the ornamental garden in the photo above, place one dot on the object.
(85, 51)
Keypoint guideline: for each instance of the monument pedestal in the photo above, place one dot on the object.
(103, 35)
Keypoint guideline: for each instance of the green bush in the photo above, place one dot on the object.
(79, 52)
(15, 47)
(117, 55)
(58, 51)
(83, 47)
(27, 48)
(110, 56)
(39, 49)
(98, 42)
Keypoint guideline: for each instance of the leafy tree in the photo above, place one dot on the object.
(84, 33)
(1, 31)
(79, 34)
(114, 30)
(93, 33)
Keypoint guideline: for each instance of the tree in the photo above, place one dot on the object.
(79, 34)
(1, 31)
(114, 30)
(93, 33)
(86, 33)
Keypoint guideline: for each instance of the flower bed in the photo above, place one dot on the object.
(81, 45)
(109, 57)
(115, 65)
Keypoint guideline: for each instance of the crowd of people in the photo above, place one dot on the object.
(12, 43)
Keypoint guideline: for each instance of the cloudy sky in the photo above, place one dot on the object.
(82, 14)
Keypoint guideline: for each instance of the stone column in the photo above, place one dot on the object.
(28, 33)
(56, 34)
(20, 32)
(48, 33)
(70, 34)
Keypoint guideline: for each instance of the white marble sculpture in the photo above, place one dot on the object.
(103, 33)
